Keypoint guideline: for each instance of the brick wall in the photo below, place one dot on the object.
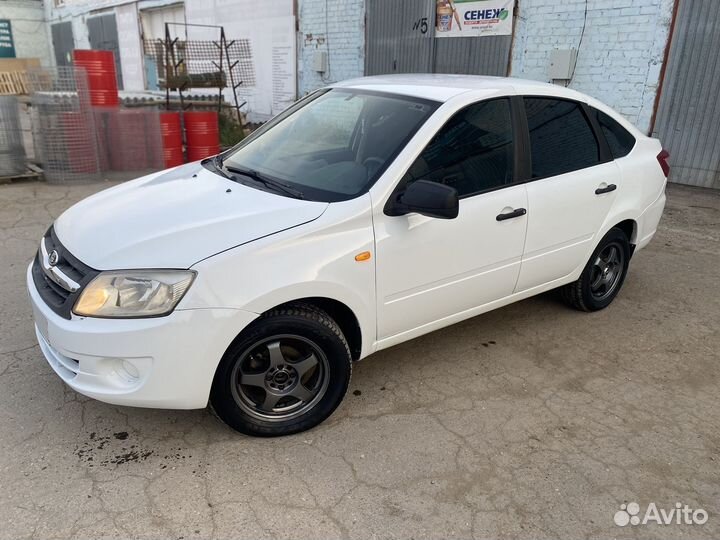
(335, 26)
(620, 56)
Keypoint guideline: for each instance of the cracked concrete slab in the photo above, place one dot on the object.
(533, 421)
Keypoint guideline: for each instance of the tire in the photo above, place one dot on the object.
(284, 374)
(603, 275)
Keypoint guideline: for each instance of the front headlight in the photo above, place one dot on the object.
(133, 293)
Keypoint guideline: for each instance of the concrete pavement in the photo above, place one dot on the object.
(533, 421)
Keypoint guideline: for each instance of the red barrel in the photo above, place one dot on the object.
(171, 133)
(102, 78)
(201, 134)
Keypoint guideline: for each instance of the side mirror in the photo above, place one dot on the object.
(427, 198)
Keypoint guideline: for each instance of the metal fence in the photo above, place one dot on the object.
(63, 125)
(129, 139)
(12, 151)
(78, 143)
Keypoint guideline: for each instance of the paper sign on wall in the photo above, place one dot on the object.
(473, 18)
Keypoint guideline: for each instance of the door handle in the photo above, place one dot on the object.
(509, 215)
(608, 189)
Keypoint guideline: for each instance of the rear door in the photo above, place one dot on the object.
(574, 184)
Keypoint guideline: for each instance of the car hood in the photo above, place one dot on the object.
(174, 219)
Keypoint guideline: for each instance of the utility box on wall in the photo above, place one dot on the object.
(320, 61)
(562, 63)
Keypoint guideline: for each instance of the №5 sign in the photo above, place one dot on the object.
(7, 45)
(473, 18)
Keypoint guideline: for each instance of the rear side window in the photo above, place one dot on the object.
(473, 152)
(618, 138)
(561, 139)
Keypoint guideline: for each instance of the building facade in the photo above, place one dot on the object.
(655, 61)
(620, 46)
(331, 42)
(267, 31)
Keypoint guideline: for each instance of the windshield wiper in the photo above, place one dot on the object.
(269, 182)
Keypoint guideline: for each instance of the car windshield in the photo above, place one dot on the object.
(331, 146)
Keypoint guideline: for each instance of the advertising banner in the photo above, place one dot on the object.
(473, 18)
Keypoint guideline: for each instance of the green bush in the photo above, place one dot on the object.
(231, 132)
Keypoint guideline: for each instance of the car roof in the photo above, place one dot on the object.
(442, 87)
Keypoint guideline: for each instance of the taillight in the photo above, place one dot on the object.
(662, 158)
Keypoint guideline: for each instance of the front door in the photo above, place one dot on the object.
(571, 193)
(433, 270)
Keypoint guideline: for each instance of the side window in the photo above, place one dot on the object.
(561, 139)
(473, 152)
(618, 138)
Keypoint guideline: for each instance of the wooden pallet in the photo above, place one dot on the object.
(21, 177)
(13, 74)
(13, 83)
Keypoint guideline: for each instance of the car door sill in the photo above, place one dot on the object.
(558, 247)
(452, 280)
(406, 335)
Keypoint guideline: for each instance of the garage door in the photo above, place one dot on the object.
(401, 39)
(688, 118)
(399, 36)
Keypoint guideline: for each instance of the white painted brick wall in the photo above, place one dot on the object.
(621, 53)
(338, 27)
(27, 19)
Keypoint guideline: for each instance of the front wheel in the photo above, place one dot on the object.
(603, 275)
(287, 373)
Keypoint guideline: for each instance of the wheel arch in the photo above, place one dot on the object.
(630, 228)
(339, 311)
(341, 314)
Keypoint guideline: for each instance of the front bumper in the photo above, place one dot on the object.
(164, 362)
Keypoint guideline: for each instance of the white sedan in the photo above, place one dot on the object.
(369, 213)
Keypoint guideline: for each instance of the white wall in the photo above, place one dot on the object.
(621, 53)
(339, 30)
(270, 27)
(27, 19)
(153, 21)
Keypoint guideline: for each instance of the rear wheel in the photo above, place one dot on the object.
(603, 276)
(286, 373)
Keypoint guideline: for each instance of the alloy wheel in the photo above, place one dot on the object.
(280, 377)
(607, 270)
